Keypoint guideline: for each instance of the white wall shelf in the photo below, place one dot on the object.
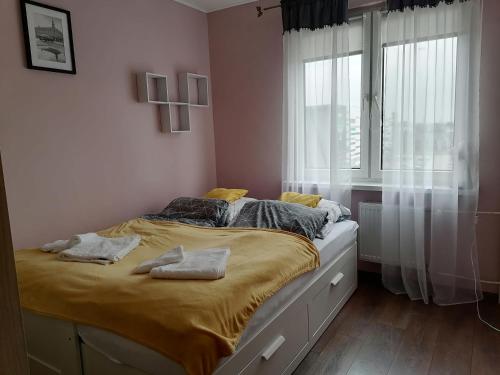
(174, 115)
(193, 89)
(153, 88)
(174, 118)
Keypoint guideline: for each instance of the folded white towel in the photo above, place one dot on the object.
(56, 246)
(60, 245)
(171, 256)
(209, 264)
(92, 248)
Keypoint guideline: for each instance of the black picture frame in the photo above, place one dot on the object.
(52, 43)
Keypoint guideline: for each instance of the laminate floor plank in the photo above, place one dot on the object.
(395, 312)
(307, 365)
(338, 355)
(453, 351)
(415, 353)
(378, 351)
(486, 351)
(357, 322)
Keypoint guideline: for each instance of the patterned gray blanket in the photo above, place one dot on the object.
(196, 211)
(290, 217)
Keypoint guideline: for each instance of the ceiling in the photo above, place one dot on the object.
(212, 5)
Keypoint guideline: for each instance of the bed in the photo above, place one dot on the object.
(276, 339)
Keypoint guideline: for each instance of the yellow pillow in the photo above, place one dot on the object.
(310, 200)
(229, 195)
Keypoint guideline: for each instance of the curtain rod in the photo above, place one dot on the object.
(369, 6)
(260, 10)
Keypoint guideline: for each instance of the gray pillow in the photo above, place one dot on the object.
(290, 217)
(197, 211)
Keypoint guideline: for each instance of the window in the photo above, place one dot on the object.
(317, 112)
(377, 69)
(318, 90)
(429, 87)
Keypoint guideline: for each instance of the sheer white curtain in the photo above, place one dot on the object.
(430, 140)
(316, 113)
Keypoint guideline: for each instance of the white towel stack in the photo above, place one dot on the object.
(56, 246)
(92, 248)
(171, 256)
(208, 264)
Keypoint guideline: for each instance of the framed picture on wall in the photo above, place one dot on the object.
(48, 38)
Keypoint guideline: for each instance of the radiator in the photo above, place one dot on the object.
(370, 231)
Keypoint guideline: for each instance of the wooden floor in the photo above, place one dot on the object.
(381, 333)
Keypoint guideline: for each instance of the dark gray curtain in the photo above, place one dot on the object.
(312, 14)
(402, 4)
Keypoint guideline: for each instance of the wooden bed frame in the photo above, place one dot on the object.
(54, 346)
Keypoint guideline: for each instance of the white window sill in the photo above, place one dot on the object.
(367, 186)
(377, 186)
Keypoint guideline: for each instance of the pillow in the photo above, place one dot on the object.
(230, 195)
(291, 217)
(326, 230)
(196, 211)
(336, 211)
(235, 207)
(309, 200)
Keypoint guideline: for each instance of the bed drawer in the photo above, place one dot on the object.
(274, 348)
(52, 344)
(285, 339)
(95, 363)
(337, 283)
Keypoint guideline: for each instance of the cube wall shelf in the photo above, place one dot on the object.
(153, 88)
(174, 115)
(174, 118)
(193, 89)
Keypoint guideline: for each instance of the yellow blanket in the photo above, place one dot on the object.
(193, 322)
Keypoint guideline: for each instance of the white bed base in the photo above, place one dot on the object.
(54, 346)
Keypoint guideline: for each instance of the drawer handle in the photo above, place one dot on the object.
(271, 349)
(336, 280)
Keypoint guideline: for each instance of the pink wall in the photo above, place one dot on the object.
(80, 153)
(246, 60)
(489, 198)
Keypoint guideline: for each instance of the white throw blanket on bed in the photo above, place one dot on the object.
(92, 248)
(171, 256)
(209, 264)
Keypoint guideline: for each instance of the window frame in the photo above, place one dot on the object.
(369, 174)
(375, 95)
(363, 172)
(440, 177)
(373, 46)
